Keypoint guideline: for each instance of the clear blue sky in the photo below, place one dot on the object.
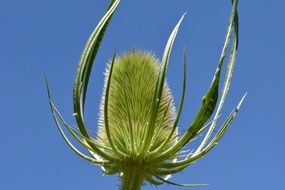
(38, 37)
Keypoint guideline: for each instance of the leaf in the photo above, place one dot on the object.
(158, 89)
(233, 25)
(106, 118)
(209, 100)
(178, 114)
(85, 66)
(184, 163)
(75, 150)
(180, 185)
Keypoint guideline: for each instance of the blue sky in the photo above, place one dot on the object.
(47, 37)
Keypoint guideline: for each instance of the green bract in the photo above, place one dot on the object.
(137, 134)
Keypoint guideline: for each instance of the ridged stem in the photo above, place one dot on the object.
(132, 178)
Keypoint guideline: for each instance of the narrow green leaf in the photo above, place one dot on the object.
(75, 150)
(85, 66)
(153, 181)
(106, 118)
(234, 26)
(170, 170)
(216, 138)
(78, 136)
(159, 87)
(209, 100)
(158, 131)
(180, 185)
(179, 110)
(55, 113)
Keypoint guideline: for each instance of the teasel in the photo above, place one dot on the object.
(137, 135)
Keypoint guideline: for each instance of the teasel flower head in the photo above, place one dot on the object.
(137, 136)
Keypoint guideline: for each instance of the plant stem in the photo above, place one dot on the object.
(132, 178)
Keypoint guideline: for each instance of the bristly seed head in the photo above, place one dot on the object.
(131, 92)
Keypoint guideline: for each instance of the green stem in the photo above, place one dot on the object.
(132, 178)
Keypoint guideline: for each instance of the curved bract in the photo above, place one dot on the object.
(137, 135)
